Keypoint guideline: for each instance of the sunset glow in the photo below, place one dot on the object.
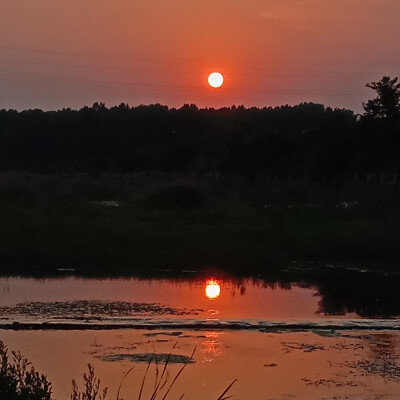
(215, 80)
(195, 183)
(274, 52)
(213, 289)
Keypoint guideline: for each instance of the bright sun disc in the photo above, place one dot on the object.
(213, 289)
(215, 80)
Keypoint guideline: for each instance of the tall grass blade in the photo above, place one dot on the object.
(226, 391)
(144, 378)
(157, 387)
(122, 381)
(178, 374)
(157, 372)
(165, 373)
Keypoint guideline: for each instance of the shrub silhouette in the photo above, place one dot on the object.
(19, 380)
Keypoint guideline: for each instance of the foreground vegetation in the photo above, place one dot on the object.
(20, 381)
(123, 224)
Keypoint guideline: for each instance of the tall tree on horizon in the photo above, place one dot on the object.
(386, 105)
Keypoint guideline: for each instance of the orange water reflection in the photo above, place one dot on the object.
(285, 365)
(213, 289)
(212, 346)
(237, 299)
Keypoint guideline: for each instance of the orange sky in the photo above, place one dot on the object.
(65, 53)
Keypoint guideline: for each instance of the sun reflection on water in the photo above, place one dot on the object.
(211, 347)
(213, 289)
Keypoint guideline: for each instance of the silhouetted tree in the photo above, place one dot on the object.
(307, 140)
(386, 105)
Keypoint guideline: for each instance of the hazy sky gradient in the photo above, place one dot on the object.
(70, 53)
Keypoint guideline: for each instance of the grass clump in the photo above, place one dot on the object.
(92, 387)
(19, 380)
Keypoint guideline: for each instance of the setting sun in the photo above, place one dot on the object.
(213, 289)
(215, 80)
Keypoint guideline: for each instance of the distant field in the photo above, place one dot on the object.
(131, 224)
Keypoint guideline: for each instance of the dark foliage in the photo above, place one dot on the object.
(386, 105)
(307, 139)
(176, 196)
(19, 381)
(92, 387)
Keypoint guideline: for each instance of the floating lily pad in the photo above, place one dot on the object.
(147, 357)
(92, 309)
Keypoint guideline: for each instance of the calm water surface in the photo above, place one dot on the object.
(225, 299)
(358, 357)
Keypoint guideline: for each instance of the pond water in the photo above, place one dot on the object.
(281, 339)
(210, 299)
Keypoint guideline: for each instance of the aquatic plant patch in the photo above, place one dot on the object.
(148, 357)
(92, 309)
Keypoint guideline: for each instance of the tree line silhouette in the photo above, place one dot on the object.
(307, 140)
